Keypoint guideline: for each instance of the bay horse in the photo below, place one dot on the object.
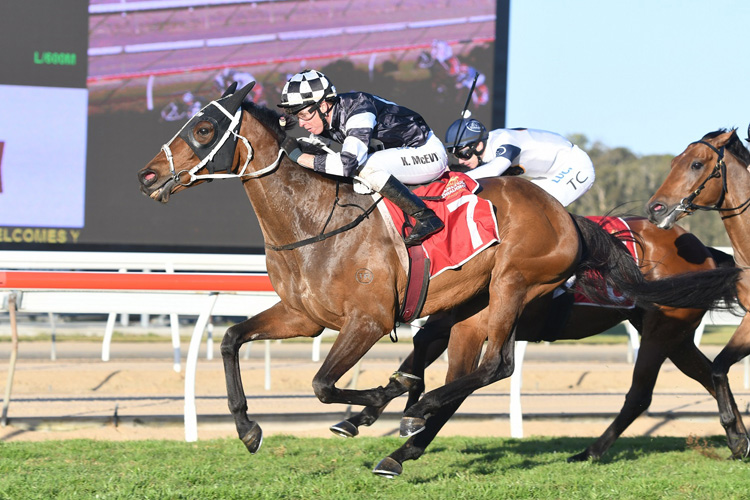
(354, 280)
(667, 333)
(711, 174)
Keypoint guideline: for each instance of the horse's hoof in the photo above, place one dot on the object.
(345, 429)
(406, 379)
(580, 457)
(253, 438)
(740, 449)
(411, 426)
(389, 468)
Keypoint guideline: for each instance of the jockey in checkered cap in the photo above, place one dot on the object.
(412, 153)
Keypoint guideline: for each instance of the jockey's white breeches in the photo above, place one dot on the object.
(571, 175)
(409, 165)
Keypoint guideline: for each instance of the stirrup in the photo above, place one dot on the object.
(423, 230)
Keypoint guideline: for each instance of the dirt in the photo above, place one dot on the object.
(71, 399)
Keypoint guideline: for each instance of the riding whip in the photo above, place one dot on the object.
(463, 113)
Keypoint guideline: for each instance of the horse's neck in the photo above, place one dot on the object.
(737, 223)
(291, 203)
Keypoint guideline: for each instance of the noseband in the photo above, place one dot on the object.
(720, 171)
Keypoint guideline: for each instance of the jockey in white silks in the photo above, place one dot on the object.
(547, 159)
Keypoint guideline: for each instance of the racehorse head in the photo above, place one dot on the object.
(700, 179)
(203, 148)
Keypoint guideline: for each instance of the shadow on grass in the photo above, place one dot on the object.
(535, 452)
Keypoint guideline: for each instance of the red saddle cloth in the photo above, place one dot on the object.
(470, 224)
(620, 228)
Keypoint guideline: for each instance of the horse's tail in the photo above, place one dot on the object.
(722, 259)
(605, 259)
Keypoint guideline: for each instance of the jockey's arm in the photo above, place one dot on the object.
(494, 168)
(307, 160)
(359, 128)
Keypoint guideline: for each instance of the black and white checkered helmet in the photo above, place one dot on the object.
(304, 89)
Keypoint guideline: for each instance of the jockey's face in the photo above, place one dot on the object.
(470, 156)
(310, 120)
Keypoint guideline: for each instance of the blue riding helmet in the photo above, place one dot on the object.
(465, 132)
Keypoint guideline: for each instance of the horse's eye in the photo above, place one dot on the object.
(696, 165)
(203, 132)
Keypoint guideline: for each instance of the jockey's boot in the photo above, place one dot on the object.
(426, 222)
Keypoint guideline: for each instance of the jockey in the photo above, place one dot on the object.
(412, 153)
(547, 159)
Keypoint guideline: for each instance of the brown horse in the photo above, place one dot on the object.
(666, 334)
(712, 174)
(322, 284)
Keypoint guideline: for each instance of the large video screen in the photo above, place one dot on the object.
(91, 90)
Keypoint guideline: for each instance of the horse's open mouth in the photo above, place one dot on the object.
(162, 193)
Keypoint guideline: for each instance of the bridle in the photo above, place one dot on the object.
(232, 130)
(719, 171)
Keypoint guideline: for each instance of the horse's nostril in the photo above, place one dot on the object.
(657, 207)
(148, 177)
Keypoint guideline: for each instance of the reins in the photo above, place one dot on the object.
(323, 235)
(232, 130)
(720, 170)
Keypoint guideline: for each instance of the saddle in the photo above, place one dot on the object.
(470, 227)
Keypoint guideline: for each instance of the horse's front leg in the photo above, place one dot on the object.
(697, 366)
(278, 322)
(358, 334)
(737, 348)
(429, 344)
(399, 382)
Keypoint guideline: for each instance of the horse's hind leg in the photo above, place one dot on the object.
(697, 366)
(506, 303)
(275, 323)
(465, 347)
(651, 356)
(415, 446)
(737, 348)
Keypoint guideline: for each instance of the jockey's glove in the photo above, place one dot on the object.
(291, 148)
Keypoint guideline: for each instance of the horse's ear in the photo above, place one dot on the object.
(231, 90)
(235, 100)
(726, 137)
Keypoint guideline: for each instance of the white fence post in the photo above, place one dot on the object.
(516, 379)
(191, 367)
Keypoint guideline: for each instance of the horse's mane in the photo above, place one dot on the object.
(269, 118)
(734, 145)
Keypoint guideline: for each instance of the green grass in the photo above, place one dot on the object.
(305, 468)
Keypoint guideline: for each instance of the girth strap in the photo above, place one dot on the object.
(417, 284)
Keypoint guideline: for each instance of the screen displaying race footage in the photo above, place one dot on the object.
(94, 101)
